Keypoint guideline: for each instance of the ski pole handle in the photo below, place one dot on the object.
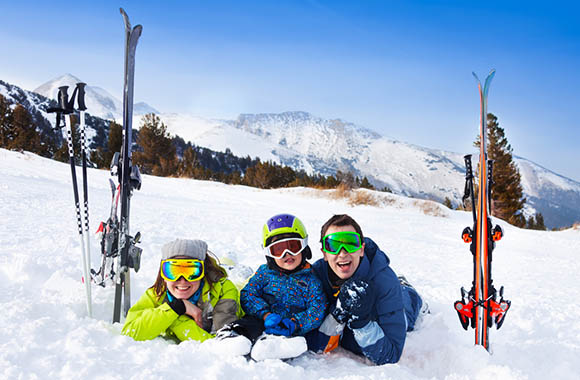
(468, 167)
(81, 96)
(63, 98)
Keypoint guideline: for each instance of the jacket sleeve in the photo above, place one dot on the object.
(312, 317)
(148, 319)
(251, 294)
(383, 338)
(185, 328)
(227, 309)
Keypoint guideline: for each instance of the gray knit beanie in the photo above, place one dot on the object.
(196, 249)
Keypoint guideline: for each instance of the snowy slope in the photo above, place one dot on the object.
(45, 333)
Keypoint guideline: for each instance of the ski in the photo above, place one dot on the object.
(129, 179)
(480, 308)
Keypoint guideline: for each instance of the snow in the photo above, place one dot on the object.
(99, 101)
(45, 332)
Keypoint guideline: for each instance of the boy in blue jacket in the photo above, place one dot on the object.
(284, 299)
(371, 309)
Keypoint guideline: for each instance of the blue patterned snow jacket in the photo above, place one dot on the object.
(383, 338)
(298, 296)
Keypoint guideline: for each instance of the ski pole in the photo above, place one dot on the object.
(65, 105)
(82, 108)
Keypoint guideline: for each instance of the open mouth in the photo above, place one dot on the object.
(344, 265)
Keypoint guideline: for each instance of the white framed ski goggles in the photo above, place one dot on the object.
(292, 246)
(190, 269)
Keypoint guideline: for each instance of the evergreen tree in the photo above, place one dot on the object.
(6, 126)
(366, 184)
(25, 135)
(187, 163)
(158, 154)
(448, 203)
(536, 223)
(507, 193)
(102, 157)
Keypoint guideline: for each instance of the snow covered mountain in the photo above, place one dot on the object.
(303, 141)
(99, 101)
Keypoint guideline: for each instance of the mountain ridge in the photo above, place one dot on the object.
(306, 142)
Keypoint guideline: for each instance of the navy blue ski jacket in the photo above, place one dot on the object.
(383, 338)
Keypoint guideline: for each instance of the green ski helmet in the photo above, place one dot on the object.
(282, 224)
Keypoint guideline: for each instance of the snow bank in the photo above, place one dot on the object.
(44, 331)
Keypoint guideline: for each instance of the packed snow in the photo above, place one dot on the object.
(45, 331)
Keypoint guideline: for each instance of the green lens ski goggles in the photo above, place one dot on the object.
(333, 243)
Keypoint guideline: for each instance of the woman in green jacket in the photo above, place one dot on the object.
(190, 300)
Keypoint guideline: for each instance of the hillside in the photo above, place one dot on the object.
(46, 334)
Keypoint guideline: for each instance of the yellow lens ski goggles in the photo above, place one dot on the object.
(190, 269)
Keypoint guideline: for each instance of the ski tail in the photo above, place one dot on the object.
(479, 308)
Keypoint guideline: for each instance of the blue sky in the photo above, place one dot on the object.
(401, 68)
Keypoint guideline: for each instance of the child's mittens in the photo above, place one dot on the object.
(285, 327)
(271, 320)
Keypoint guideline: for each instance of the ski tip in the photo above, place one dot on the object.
(125, 18)
(475, 76)
(137, 29)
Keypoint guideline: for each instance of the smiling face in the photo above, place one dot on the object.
(289, 262)
(182, 289)
(344, 264)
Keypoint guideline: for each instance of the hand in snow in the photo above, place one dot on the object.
(194, 312)
(354, 303)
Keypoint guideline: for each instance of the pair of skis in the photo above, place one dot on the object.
(66, 108)
(119, 251)
(118, 248)
(480, 307)
(126, 255)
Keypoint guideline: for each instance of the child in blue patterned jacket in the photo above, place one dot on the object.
(283, 300)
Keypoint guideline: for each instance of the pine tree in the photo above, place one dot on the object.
(6, 126)
(507, 194)
(448, 203)
(25, 135)
(187, 163)
(365, 184)
(158, 154)
(102, 157)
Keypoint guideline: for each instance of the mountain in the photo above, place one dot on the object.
(304, 141)
(316, 145)
(99, 101)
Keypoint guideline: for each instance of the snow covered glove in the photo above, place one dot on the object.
(354, 304)
(272, 320)
(286, 327)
